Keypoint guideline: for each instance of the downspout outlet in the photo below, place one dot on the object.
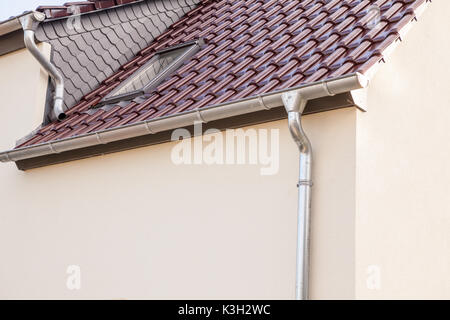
(29, 25)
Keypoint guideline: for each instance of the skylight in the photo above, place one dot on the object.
(149, 76)
(151, 70)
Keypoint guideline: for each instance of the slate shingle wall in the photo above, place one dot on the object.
(105, 40)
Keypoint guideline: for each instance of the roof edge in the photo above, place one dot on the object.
(314, 90)
(13, 23)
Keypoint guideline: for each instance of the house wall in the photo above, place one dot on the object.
(403, 172)
(140, 226)
(23, 87)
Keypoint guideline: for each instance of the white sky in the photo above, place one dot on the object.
(10, 8)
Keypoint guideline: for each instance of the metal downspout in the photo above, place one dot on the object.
(29, 24)
(295, 104)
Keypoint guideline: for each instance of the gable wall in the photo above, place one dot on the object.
(23, 87)
(403, 157)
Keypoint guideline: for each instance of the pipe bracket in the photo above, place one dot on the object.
(305, 183)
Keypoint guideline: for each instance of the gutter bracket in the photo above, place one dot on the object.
(52, 148)
(200, 117)
(147, 126)
(262, 103)
(99, 138)
(327, 90)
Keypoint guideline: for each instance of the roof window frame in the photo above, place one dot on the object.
(111, 98)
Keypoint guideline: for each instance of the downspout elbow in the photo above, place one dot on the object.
(29, 24)
(295, 104)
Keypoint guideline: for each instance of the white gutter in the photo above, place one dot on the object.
(264, 102)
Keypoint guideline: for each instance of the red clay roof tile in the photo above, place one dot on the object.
(251, 47)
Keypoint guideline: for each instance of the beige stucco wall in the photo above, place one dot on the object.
(141, 227)
(23, 86)
(403, 171)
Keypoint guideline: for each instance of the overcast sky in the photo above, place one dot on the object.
(10, 8)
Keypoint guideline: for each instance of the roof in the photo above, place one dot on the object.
(252, 47)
